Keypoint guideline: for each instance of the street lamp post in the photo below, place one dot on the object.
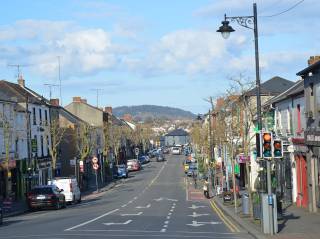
(225, 30)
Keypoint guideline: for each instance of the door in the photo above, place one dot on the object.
(302, 181)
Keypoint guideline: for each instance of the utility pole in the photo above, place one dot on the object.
(50, 89)
(97, 92)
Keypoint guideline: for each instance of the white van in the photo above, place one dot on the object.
(70, 187)
(175, 150)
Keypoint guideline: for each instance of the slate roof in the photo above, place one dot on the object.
(274, 86)
(311, 68)
(178, 132)
(296, 89)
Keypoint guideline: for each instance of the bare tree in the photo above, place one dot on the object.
(56, 133)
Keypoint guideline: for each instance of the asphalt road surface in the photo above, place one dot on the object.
(157, 202)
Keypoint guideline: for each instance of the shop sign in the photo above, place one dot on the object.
(312, 138)
(243, 159)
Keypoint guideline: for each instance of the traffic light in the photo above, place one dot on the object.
(277, 148)
(267, 145)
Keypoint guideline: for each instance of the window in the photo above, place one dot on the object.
(46, 117)
(34, 116)
(48, 145)
(40, 116)
(299, 119)
(41, 141)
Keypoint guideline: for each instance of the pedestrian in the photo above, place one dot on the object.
(206, 188)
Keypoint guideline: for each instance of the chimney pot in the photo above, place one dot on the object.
(21, 81)
(54, 102)
(313, 59)
(76, 99)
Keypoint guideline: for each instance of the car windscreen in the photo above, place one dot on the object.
(47, 190)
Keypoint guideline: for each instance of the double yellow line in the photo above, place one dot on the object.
(226, 221)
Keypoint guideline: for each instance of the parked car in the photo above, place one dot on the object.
(133, 165)
(186, 165)
(176, 150)
(122, 171)
(143, 159)
(70, 187)
(165, 150)
(46, 197)
(192, 170)
(1, 215)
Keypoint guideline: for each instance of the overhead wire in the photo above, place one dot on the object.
(287, 10)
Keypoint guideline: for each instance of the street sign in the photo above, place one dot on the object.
(95, 166)
(94, 160)
(34, 147)
(136, 150)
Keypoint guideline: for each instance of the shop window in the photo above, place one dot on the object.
(40, 116)
(41, 142)
(46, 117)
(34, 116)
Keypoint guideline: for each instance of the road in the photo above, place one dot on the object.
(158, 202)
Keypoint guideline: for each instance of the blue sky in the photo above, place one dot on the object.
(151, 52)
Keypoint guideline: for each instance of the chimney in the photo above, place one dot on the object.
(108, 109)
(313, 59)
(84, 101)
(21, 81)
(54, 102)
(76, 99)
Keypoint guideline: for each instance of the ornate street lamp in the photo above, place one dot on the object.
(225, 30)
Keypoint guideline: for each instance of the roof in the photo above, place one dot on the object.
(178, 132)
(296, 89)
(17, 93)
(274, 86)
(311, 68)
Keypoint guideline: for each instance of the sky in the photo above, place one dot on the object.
(161, 52)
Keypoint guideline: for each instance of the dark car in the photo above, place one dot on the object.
(144, 159)
(48, 196)
(1, 215)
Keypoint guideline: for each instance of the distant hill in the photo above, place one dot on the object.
(145, 112)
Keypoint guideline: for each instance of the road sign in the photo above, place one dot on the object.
(94, 160)
(136, 150)
(95, 166)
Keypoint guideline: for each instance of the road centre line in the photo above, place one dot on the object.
(92, 220)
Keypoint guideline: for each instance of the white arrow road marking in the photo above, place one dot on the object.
(158, 199)
(117, 223)
(196, 207)
(198, 215)
(198, 224)
(172, 200)
(139, 207)
(211, 223)
(135, 214)
(195, 224)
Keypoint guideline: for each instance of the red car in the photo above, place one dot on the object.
(133, 165)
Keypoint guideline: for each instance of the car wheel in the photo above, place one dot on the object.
(1, 218)
(57, 205)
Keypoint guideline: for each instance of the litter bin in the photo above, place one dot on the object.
(245, 204)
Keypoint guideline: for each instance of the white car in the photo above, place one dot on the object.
(175, 150)
(70, 188)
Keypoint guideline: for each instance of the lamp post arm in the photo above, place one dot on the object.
(244, 21)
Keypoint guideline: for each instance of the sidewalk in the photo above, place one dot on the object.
(297, 223)
(20, 207)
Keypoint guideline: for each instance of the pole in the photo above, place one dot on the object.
(255, 19)
(97, 180)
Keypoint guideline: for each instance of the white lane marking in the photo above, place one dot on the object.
(165, 225)
(166, 222)
(117, 223)
(168, 217)
(131, 201)
(139, 207)
(124, 205)
(170, 213)
(135, 198)
(134, 214)
(158, 199)
(197, 215)
(171, 210)
(196, 207)
(198, 224)
(92, 220)
(163, 230)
